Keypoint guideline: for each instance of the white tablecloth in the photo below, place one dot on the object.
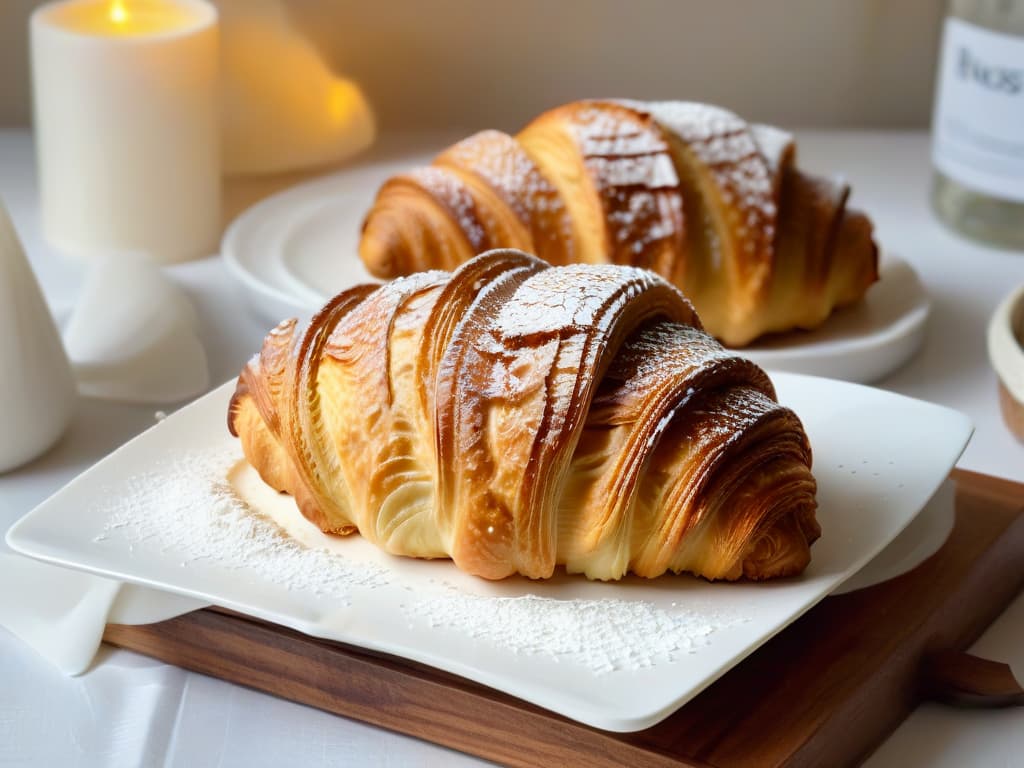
(129, 710)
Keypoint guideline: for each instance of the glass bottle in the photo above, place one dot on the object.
(978, 124)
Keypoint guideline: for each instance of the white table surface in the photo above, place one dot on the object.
(129, 710)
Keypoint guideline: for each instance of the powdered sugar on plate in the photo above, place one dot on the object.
(601, 635)
(187, 507)
(206, 508)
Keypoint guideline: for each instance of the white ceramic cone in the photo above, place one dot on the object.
(133, 336)
(37, 392)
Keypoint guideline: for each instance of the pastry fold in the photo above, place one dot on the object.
(516, 417)
(711, 203)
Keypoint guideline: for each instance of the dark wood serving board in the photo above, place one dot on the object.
(825, 691)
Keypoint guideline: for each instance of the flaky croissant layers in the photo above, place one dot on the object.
(713, 204)
(516, 417)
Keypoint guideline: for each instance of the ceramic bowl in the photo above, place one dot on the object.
(1006, 352)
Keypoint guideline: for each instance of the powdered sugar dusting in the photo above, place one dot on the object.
(577, 296)
(774, 143)
(502, 164)
(187, 507)
(725, 145)
(459, 201)
(609, 132)
(629, 161)
(603, 636)
(497, 159)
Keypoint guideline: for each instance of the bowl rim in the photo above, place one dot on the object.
(1005, 346)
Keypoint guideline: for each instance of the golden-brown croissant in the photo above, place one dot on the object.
(515, 416)
(711, 203)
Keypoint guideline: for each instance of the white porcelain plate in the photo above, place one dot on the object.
(618, 656)
(295, 250)
(925, 535)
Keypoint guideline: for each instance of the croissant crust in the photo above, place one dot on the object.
(516, 417)
(713, 204)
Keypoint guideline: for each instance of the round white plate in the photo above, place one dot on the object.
(863, 343)
(296, 249)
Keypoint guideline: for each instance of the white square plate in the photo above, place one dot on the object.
(618, 656)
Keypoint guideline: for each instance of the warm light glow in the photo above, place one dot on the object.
(342, 101)
(130, 18)
(118, 13)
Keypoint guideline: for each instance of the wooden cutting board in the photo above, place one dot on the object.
(825, 691)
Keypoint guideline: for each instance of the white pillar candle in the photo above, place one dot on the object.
(127, 126)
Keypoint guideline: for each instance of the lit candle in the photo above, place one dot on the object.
(127, 126)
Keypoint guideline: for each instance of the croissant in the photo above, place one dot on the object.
(712, 204)
(515, 417)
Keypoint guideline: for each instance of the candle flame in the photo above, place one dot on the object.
(118, 13)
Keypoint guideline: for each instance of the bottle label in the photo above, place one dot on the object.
(978, 126)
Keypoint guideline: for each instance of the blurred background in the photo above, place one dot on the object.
(469, 64)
